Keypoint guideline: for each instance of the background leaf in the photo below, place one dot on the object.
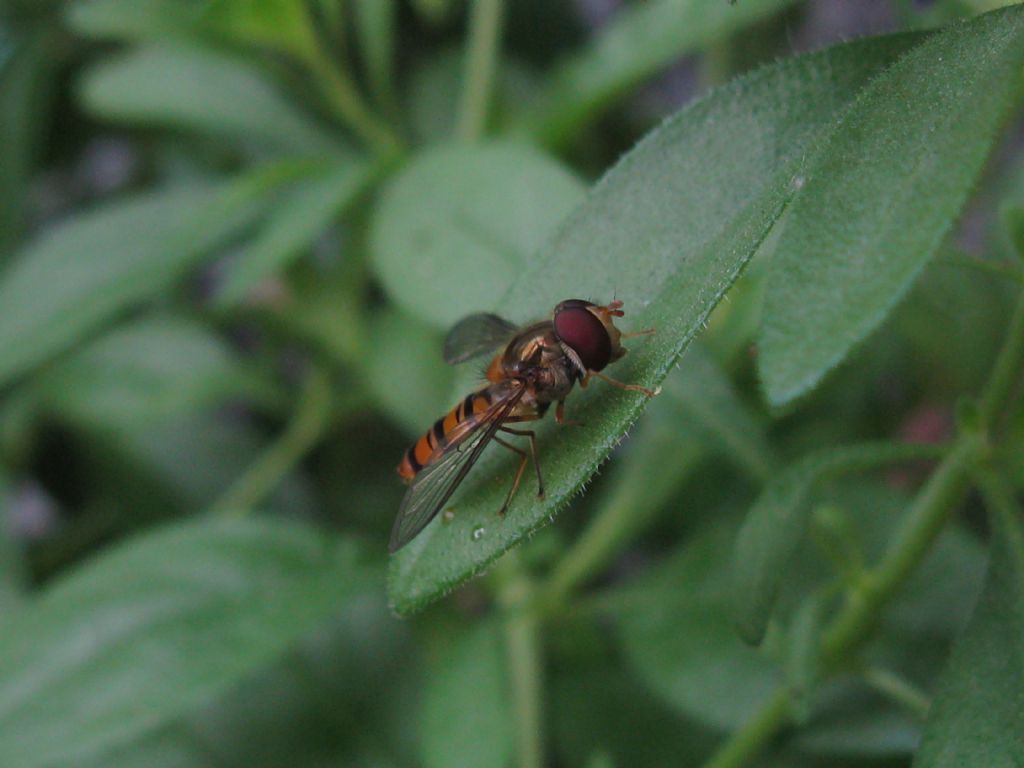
(465, 715)
(776, 524)
(282, 25)
(201, 90)
(341, 697)
(976, 715)
(11, 567)
(475, 212)
(639, 40)
(650, 236)
(27, 70)
(96, 264)
(308, 209)
(676, 635)
(134, 19)
(375, 20)
(708, 397)
(160, 626)
(147, 372)
(872, 212)
(598, 707)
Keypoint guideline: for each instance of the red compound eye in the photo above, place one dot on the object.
(584, 333)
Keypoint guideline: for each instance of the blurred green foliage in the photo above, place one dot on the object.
(232, 237)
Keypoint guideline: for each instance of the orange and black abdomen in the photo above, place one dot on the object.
(457, 422)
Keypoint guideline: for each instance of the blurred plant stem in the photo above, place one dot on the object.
(344, 99)
(525, 657)
(1005, 373)
(312, 415)
(1002, 269)
(481, 66)
(924, 521)
(752, 737)
(898, 690)
(348, 106)
(1006, 514)
(616, 522)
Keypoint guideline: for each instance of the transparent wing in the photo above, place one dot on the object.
(476, 335)
(436, 483)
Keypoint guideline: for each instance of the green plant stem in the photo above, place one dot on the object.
(1006, 371)
(481, 65)
(525, 659)
(898, 690)
(347, 104)
(924, 521)
(752, 737)
(1003, 508)
(312, 416)
(998, 268)
(523, 636)
(591, 550)
(618, 519)
(852, 626)
(922, 524)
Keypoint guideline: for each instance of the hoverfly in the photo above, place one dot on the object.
(538, 366)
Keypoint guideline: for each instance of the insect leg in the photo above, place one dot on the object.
(623, 385)
(560, 416)
(529, 433)
(634, 334)
(523, 458)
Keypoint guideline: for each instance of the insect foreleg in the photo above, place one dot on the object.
(623, 385)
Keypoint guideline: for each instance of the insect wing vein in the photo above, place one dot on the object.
(476, 335)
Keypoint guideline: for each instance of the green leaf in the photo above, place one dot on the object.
(776, 523)
(976, 716)
(800, 662)
(27, 70)
(11, 576)
(146, 372)
(858, 726)
(294, 226)
(195, 458)
(872, 210)
(676, 634)
(678, 433)
(955, 317)
(639, 40)
(342, 692)
(94, 265)
(469, 216)
(159, 626)
(434, 11)
(598, 707)
(465, 714)
(435, 88)
(200, 90)
(375, 22)
(283, 25)
(134, 19)
(637, 496)
(667, 230)
(712, 402)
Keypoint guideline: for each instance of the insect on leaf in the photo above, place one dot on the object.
(667, 230)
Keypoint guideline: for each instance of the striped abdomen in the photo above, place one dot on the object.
(452, 426)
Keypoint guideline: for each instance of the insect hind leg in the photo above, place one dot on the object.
(532, 436)
(523, 458)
